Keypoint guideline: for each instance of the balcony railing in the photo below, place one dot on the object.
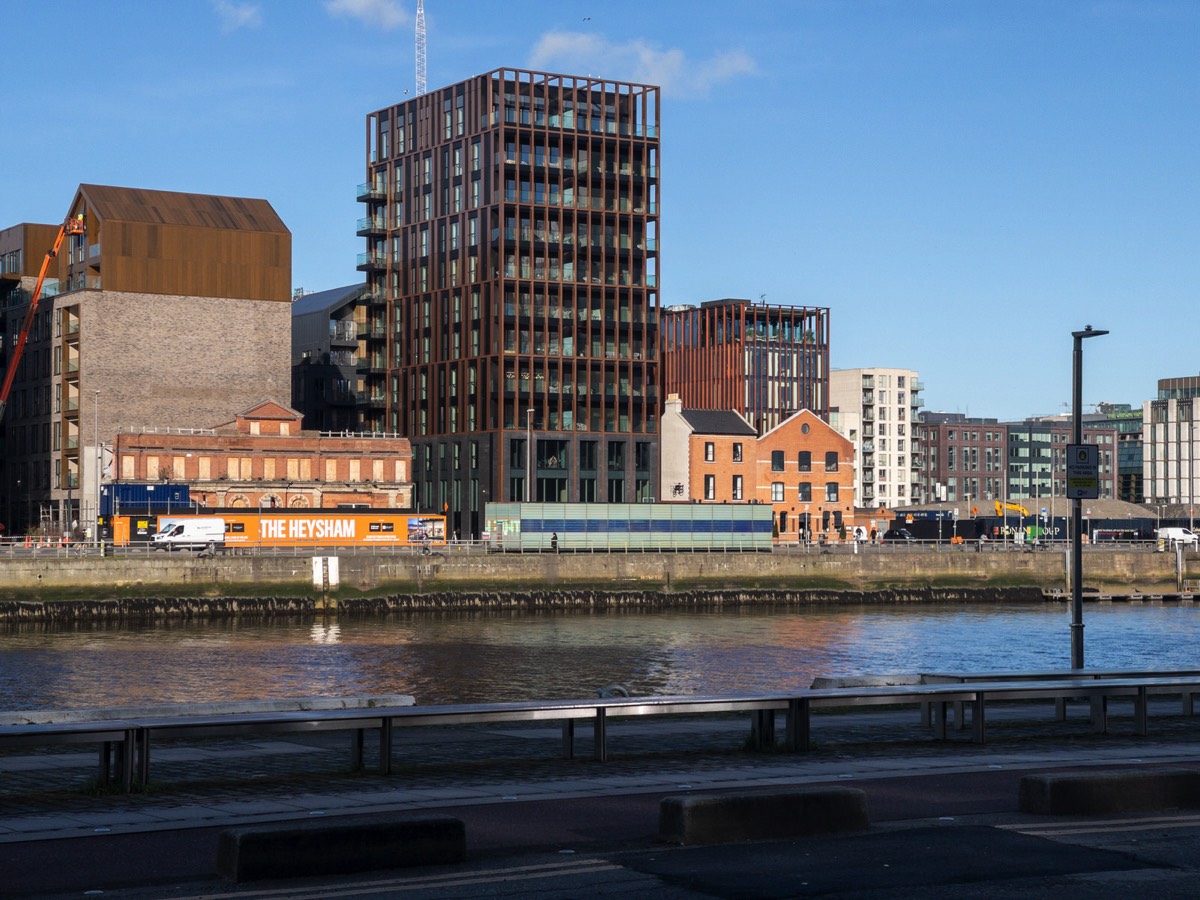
(368, 191)
(371, 225)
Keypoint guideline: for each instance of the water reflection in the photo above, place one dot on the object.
(480, 657)
(326, 631)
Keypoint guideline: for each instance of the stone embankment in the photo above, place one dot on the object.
(182, 586)
(155, 608)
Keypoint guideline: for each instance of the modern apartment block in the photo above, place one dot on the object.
(329, 336)
(961, 459)
(511, 263)
(168, 310)
(982, 461)
(1171, 442)
(764, 362)
(1037, 464)
(885, 403)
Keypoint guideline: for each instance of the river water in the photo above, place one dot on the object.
(486, 657)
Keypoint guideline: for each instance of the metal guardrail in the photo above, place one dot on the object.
(130, 736)
(21, 547)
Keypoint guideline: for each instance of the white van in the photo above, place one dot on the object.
(190, 533)
(1173, 536)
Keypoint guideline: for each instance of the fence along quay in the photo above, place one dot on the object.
(125, 740)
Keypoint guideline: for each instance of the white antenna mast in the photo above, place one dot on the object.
(420, 47)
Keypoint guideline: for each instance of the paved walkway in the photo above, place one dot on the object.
(51, 795)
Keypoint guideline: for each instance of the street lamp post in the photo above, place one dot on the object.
(528, 454)
(1076, 513)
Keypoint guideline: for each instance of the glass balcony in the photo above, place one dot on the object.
(368, 191)
(371, 225)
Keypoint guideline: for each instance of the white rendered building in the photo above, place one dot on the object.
(883, 405)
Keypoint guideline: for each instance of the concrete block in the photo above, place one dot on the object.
(1106, 792)
(339, 846)
(761, 815)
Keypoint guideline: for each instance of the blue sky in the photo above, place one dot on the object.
(962, 183)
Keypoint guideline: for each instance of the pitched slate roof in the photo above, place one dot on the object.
(717, 421)
(327, 301)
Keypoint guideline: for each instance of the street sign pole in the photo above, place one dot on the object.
(1082, 483)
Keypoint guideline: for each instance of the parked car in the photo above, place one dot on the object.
(898, 534)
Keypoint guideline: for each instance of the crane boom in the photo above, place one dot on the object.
(1001, 508)
(73, 225)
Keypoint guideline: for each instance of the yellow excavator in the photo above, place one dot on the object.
(1003, 509)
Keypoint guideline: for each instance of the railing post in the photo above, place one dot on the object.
(600, 750)
(798, 724)
(568, 738)
(385, 746)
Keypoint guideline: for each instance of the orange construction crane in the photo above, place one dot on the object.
(73, 225)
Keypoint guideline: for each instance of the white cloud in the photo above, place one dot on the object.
(637, 61)
(237, 15)
(385, 14)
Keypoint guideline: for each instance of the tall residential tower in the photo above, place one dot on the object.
(511, 264)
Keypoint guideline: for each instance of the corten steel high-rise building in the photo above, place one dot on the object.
(512, 226)
(765, 362)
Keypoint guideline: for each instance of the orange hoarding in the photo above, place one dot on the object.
(311, 528)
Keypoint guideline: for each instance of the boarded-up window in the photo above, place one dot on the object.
(293, 469)
(179, 468)
(331, 470)
(151, 468)
(205, 468)
(355, 470)
(377, 470)
(306, 470)
(128, 472)
(269, 469)
(232, 468)
(255, 428)
(400, 470)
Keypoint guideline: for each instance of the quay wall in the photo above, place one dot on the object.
(1115, 571)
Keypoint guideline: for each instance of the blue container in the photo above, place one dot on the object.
(130, 497)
